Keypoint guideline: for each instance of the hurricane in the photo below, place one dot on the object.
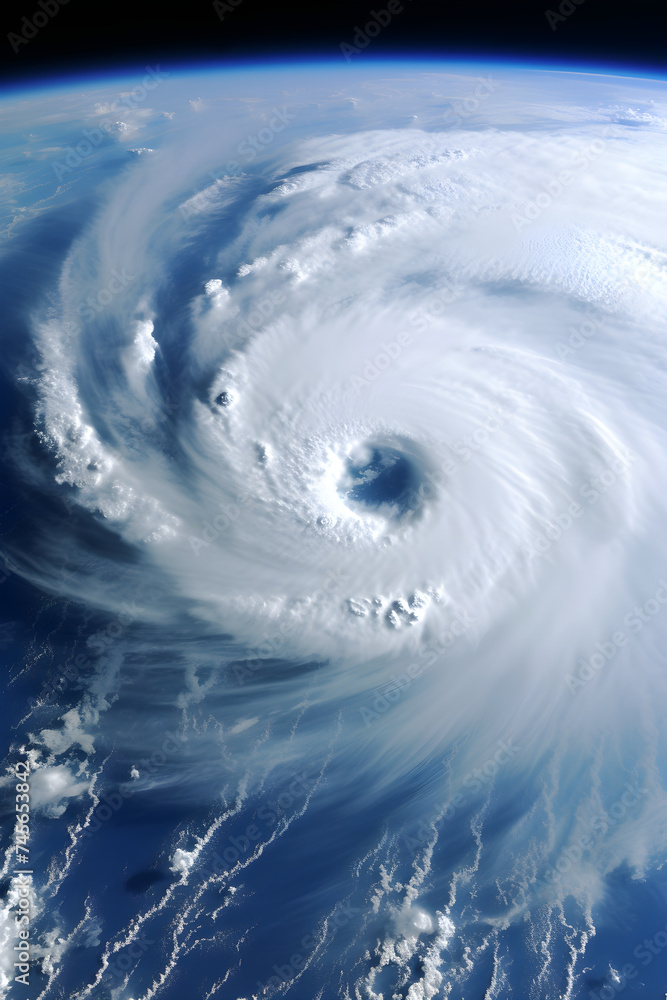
(334, 532)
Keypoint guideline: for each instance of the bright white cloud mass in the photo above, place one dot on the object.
(355, 391)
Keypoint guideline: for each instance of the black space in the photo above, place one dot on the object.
(84, 35)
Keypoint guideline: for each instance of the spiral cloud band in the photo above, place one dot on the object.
(342, 406)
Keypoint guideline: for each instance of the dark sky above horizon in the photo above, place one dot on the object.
(48, 37)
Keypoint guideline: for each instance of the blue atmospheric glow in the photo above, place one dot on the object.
(269, 63)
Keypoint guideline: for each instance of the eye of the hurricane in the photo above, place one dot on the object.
(382, 479)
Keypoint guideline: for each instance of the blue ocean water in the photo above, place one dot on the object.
(332, 533)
